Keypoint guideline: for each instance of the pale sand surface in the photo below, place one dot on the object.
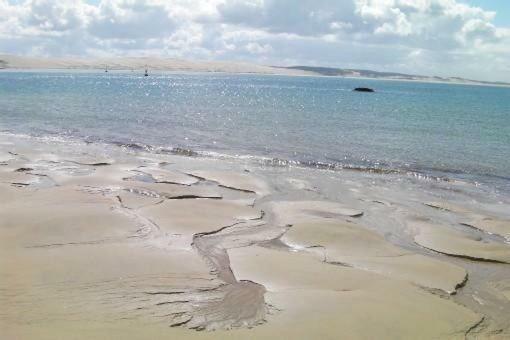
(170, 191)
(106, 243)
(295, 211)
(452, 242)
(490, 225)
(352, 245)
(340, 300)
(503, 287)
(166, 176)
(237, 181)
(476, 218)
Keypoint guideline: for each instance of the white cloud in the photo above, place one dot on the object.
(256, 48)
(46, 15)
(423, 36)
(123, 20)
(307, 18)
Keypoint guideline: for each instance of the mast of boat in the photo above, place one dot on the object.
(106, 68)
(146, 71)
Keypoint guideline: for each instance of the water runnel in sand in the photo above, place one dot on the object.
(218, 226)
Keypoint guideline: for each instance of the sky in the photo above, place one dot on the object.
(467, 38)
(501, 7)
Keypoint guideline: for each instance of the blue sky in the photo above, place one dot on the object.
(467, 38)
(501, 7)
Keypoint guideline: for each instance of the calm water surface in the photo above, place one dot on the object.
(448, 130)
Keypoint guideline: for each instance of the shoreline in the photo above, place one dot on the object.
(274, 71)
(103, 239)
(432, 174)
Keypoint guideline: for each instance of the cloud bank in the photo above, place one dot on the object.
(433, 37)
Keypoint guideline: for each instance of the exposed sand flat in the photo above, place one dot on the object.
(94, 176)
(167, 176)
(69, 255)
(90, 250)
(318, 300)
(80, 159)
(503, 287)
(17, 178)
(64, 215)
(236, 181)
(10, 193)
(289, 212)
(476, 219)
(352, 245)
(90, 160)
(185, 218)
(301, 184)
(100, 282)
(133, 200)
(447, 206)
(171, 191)
(5, 157)
(38, 156)
(491, 225)
(452, 242)
(250, 202)
(89, 221)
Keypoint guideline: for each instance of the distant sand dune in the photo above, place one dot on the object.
(179, 65)
(139, 63)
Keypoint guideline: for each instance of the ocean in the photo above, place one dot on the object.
(441, 130)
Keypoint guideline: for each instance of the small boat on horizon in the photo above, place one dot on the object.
(106, 68)
(146, 74)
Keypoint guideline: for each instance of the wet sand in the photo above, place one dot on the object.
(103, 242)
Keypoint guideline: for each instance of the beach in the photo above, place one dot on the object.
(254, 169)
(106, 241)
(201, 205)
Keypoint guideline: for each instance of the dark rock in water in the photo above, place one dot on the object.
(363, 89)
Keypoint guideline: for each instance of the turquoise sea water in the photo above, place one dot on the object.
(447, 130)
